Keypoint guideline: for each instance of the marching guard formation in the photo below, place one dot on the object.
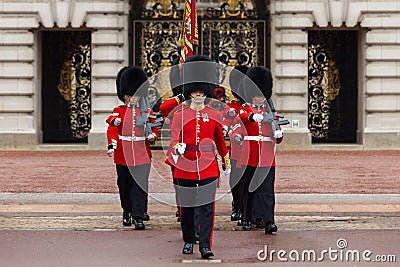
(201, 124)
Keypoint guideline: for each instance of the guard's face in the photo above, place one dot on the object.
(132, 100)
(258, 100)
(198, 97)
(197, 94)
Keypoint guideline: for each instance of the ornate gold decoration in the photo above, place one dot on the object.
(232, 42)
(165, 8)
(228, 41)
(331, 81)
(233, 8)
(324, 86)
(74, 86)
(67, 84)
(319, 104)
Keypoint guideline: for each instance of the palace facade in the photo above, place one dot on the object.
(336, 64)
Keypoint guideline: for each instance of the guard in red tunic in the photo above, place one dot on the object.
(112, 140)
(135, 134)
(258, 149)
(170, 105)
(236, 131)
(196, 138)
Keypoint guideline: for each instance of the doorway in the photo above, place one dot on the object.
(66, 86)
(332, 86)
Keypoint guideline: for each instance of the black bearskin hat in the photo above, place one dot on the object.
(235, 78)
(258, 82)
(175, 79)
(199, 76)
(134, 81)
(118, 83)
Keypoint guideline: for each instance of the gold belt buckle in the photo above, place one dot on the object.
(259, 138)
(133, 138)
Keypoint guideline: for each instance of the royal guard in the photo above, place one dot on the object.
(170, 105)
(135, 134)
(196, 138)
(258, 149)
(235, 130)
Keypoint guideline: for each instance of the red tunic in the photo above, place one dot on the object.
(112, 137)
(236, 126)
(136, 152)
(168, 105)
(202, 134)
(261, 152)
(235, 104)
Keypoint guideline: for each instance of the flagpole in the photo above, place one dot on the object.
(188, 38)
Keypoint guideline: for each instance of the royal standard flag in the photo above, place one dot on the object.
(190, 35)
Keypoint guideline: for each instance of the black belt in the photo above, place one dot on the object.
(200, 148)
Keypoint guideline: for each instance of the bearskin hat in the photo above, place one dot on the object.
(175, 79)
(134, 81)
(258, 82)
(118, 83)
(199, 76)
(235, 79)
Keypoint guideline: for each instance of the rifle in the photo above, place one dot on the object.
(271, 117)
(143, 120)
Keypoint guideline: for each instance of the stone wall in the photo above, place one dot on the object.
(20, 70)
(379, 64)
(379, 59)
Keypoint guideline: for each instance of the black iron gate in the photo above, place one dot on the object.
(230, 36)
(66, 86)
(332, 83)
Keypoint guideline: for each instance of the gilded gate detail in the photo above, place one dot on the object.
(230, 35)
(332, 86)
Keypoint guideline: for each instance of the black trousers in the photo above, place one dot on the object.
(196, 212)
(259, 193)
(197, 196)
(236, 185)
(133, 187)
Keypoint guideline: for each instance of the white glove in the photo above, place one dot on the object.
(110, 152)
(180, 149)
(278, 134)
(117, 121)
(227, 172)
(151, 137)
(232, 112)
(225, 130)
(258, 117)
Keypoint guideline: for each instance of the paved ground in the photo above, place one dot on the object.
(60, 208)
(339, 172)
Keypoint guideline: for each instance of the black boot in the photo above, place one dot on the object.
(235, 216)
(270, 228)
(206, 253)
(146, 217)
(126, 219)
(246, 226)
(187, 248)
(139, 225)
(260, 223)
